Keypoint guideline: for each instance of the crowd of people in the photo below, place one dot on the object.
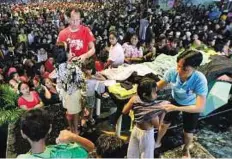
(52, 52)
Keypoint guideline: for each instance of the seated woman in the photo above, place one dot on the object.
(132, 50)
(223, 48)
(28, 99)
(196, 42)
(42, 90)
(51, 87)
(116, 53)
(14, 80)
(149, 50)
(41, 71)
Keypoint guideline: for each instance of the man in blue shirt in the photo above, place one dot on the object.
(189, 91)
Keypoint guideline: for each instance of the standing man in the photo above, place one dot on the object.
(79, 38)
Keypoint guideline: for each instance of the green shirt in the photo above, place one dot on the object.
(59, 151)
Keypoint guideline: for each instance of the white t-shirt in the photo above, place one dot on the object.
(116, 54)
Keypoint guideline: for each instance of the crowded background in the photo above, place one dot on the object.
(61, 53)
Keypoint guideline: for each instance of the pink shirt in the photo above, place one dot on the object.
(132, 51)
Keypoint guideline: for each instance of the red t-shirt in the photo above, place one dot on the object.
(77, 41)
(29, 104)
(49, 65)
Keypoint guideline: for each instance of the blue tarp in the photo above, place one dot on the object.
(217, 97)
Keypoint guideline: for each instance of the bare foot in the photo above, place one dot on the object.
(186, 153)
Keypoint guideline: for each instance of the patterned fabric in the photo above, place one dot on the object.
(144, 111)
(132, 51)
(70, 78)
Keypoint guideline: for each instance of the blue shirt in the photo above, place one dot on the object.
(185, 93)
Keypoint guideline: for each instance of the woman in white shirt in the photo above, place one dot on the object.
(116, 53)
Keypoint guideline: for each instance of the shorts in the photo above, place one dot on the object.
(189, 119)
(90, 100)
(72, 102)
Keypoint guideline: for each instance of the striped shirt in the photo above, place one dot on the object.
(145, 111)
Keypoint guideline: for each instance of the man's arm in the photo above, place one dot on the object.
(66, 136)
(91, 51)
(88, 54)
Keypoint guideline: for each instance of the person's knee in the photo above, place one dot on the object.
(188, 134)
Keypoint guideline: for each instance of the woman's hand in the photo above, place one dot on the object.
(107, 49)
(127, 60)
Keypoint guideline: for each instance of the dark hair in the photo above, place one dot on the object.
(11, 76)
(109, 146)
(138, 44)
(60, 54)
(89, 65)
(77, 10)
(114, 33)
(37, 68)
(35, 124)
(145, 87)
(191, 58)
(20, 84)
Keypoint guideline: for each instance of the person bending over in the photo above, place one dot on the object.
(189, 93)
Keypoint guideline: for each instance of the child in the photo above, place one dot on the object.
(71, 85)
(91, 81)
(146, 113)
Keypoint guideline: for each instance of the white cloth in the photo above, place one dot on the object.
(161, 64)
(142, 143)
(123, 72)
(116, 54)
